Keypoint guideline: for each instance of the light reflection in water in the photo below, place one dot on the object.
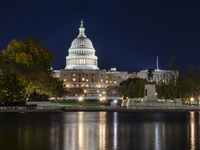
(102, 130)
(157, 137)
(81, 130)
(115, 123)
(192, 128)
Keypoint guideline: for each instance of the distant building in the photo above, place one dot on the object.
(114, 77)
(159, 75)
(78, 82)
(82, 75)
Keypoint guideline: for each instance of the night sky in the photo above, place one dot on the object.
(127, 34)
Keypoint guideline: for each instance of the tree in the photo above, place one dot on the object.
(133, 88)
(11, 90)
(173, 74)
(192, 83)
(29, 60)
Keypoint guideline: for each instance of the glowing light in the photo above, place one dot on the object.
(80, 98)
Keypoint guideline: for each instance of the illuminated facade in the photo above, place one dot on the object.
(81, 53)
(159, 75)
(81, 74)
(90, 82)
(114, 77)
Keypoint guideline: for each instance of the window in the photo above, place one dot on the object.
(65, 80)
(64, 74)
(87, 80)
(106, 81)
(74, 75)
(115, 81)
(74, 79)
(101, 80)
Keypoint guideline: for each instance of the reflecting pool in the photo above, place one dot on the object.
(100, 131)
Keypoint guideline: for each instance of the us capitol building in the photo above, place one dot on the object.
(82, 75)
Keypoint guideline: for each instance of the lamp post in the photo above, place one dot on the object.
(80, 101)
(102, 100)
(192, 100)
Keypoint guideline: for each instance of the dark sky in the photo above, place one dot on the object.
(127, 34)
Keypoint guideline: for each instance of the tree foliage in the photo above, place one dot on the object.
(133, 88)
(29, 61)
(169, 89)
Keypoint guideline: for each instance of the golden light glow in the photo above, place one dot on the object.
(74, 79)
(80, 98)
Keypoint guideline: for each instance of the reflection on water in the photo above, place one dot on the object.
(192, 130)
(115, 123)
(194, 125)
(99, 131)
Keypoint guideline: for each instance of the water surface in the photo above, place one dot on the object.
(100, 131)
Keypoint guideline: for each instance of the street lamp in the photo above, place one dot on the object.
(192, 99)
(80, 101)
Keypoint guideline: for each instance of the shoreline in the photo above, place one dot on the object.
(107, 108)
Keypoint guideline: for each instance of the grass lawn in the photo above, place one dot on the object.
(84, 103)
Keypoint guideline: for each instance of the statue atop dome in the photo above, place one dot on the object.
(81, 30)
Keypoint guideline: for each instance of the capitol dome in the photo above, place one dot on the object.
(81, 53)
(82, 42)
